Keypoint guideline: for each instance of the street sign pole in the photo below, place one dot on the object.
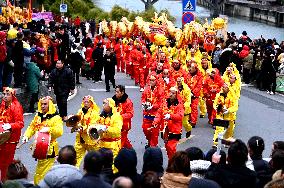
(188, 8)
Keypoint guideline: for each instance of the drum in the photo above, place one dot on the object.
(73, 121)
(221, 123)
(4, 135)
(41, 145)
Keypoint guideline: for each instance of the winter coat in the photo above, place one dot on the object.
(62, 81)
(199, 168)
(202, 183)
(25, 183)
(153, 161)
(228, 176)
(89, 180)
(174, 180)
(60, 175)
(248, 61)
(33, 76)
(109, 63)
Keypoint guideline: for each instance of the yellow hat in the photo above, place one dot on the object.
(51, 106)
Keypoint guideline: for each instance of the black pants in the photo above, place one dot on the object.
(18, 76)
(98, 72)
(246, 75)
(62, 104)
(111, 79)
(34, 99)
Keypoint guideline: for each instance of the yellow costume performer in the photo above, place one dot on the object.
(46, 120)
(185, 94)
(226, 105)
(203, 67)
(111, 137)
(89, 114)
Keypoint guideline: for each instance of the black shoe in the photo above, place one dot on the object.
(202, 116)
(78, 83)
(147, 146)
(188, 134)
(107, 90)
(193, 125)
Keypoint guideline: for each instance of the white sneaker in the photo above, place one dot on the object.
(271, 93)
(142, 89)
(268, 92)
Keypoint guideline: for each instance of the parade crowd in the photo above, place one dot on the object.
(174, 82)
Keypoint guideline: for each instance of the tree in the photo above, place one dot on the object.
(149, 3)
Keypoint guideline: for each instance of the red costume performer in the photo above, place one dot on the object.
(125, 107)
(12, 119)
(127, 50)
(170, 115)
(211, 86)
(195, 79)
(177, 71)
(119, 51)
(136, 57)
(151, 101)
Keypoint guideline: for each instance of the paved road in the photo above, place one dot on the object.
(257, 115)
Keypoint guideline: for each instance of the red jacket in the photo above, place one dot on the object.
(136, 56)
(195, 83)
(14, 116)
(77, 21)
(154, 97)
(125, 107)
(176, 111)
(212, 86)
(178, 73)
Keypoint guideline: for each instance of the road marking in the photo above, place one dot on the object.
(127, 87)
(181, 141)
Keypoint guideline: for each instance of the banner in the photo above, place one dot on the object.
(47, 16)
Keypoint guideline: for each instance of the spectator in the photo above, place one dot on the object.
(153, 161)
(277, 145)
(76, 60)
(247, 66)
(279, 183)
(216, 56)
(235, 174)
(277, 160)
(18, 173)
(178, 174)
(62, 80)
(150, 180)
(97, 56)
(256, 163)
(18, 54)
(12, 184)
(107, 172)
(126, 162)
(77, 21)
(9, 65)
(64, 172)
(198, 165)
(210, 153)
(64, 50)
(93, 165)
(122, 182)
(109, 62)
(278, 174)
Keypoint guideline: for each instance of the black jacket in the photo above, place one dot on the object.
(62, 81)
(88, 181)
(109, 64)
(76, 61)
(228, 176)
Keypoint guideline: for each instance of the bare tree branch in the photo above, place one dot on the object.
(143, 1)
(154, 1)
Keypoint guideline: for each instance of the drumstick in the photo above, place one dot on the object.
(20, 145)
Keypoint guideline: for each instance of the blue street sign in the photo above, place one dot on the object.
(188, 5)
(187, 17)
(63, 7)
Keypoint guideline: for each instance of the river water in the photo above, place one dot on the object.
(254, 29)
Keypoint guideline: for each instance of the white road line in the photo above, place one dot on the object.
(100, 89)
(181, 141)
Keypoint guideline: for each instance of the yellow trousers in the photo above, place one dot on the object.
(228, 134)
(81, 150)
(43, 166)
(187, 126)
(202, 106)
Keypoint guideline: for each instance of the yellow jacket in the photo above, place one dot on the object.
(186, 98)
(230, 102)
(53, 121)
(90, 118)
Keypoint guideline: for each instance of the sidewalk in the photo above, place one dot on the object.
(262, 96)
